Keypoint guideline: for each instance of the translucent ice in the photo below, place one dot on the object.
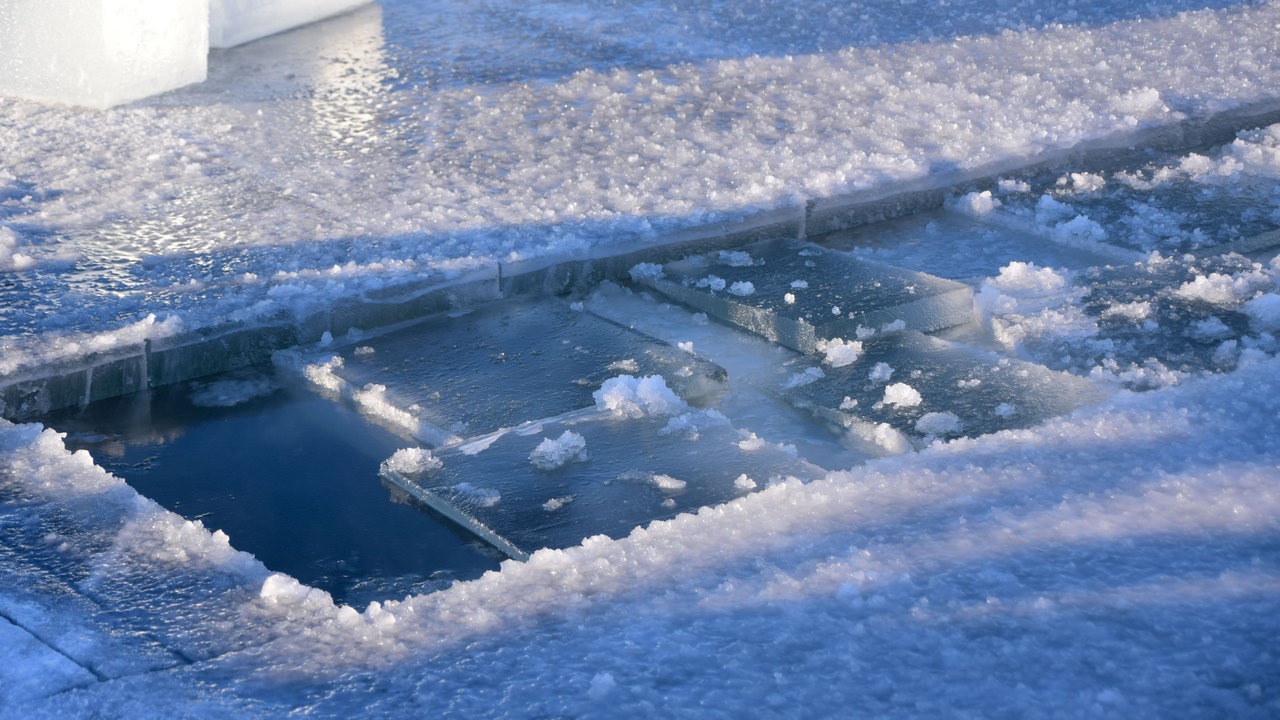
(232, 22)
(101, 52)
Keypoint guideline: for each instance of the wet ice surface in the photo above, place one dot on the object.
(800, 294)
(925, 388)
(620, 472)
(497, 367)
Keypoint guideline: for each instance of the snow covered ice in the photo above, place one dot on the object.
(819, 283)
(1116, 561)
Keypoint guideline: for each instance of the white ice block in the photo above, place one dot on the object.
(234, 22)
(100, 53)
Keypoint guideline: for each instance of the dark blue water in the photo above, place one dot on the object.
(290, 477)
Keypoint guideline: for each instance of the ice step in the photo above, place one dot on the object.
(923, 387)
(798, 294)
(611, 473)
(499, 366)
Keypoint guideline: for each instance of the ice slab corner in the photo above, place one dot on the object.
(619, 473)
(798, 294)
(234, 22)
(100, 53)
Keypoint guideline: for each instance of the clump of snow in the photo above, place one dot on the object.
(1005, 410)
(551, 454)
(713, 282)
(364, 351)
(1222, 289)
(1026, 278)
(938, 424)
(839, 353)
(975, 203)
(848, 403)
(742, 482)
(556, 503)
(10, 258)
(642, 271)
(1139, 104)
(881, 372)
(1136, 311)
(681, 426)
(1264, 312)
(901, 395)
(894, 326)
(800, 284)
(668, 483)
(835, 309)
(412, 461)
(1009, 186)
(742, 288)
(736, 258)
(324, 375)
(628, 365)
(1081, 182)
(635, 397)
(372, 399)
(789, 298)
(800, 379)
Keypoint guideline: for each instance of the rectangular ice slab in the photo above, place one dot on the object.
(798, 293)
(99, 53)
(502, 365)
(554, 484)
(923, 387)
(233, 22)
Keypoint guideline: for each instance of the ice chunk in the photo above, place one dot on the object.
(233, 22)
(867, 294)
(100, 53)
(551, 454)
(984, 392)
(505, 365)
(635, 397)
(901, 395)
(638, 472)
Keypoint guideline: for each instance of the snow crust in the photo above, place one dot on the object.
(493, 156)
(904, 558)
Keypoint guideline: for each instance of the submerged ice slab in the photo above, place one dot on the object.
(233, 22)
(99, 53)
(499, 366)
(554, 484)
(907, 386)
(799, 294)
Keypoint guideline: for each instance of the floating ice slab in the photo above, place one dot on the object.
(554, 484)
(798, 294)
(923, 387)
(233, 22)
(99, 53)
(499, 366)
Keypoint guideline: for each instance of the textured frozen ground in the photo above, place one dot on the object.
(1117, 562)
(428, 140)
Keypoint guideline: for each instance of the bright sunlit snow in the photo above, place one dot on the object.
(1122, 560)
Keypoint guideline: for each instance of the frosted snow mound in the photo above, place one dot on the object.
(551, 454)
(635, 397)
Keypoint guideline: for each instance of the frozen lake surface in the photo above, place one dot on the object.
(905, 543)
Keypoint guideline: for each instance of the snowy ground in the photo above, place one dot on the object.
(1121, 561)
